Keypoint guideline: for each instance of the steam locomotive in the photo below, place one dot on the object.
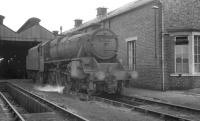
(81, 62)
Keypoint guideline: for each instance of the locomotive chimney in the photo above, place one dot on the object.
(78, 22)
(1, 19)
(101, 11)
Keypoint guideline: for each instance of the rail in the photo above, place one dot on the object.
(72, 116)
(15, 113)
(148, 111)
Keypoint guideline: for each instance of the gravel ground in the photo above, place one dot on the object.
(92, 110)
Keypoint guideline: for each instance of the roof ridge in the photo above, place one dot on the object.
(125, 8)
(29, 23)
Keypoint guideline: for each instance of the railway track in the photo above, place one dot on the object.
(21, 105)
(166, 111)
(8, 111)
(52, 112)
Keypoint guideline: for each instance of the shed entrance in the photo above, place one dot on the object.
(13, 58)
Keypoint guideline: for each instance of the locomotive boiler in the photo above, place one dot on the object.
(82, 62)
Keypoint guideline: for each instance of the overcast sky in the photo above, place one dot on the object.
(53, 13)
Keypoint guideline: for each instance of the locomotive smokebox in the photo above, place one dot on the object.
(103, 44)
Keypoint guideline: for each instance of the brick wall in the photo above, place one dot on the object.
(184, 82)
(140, 23)
(168, 58)
(179, 15)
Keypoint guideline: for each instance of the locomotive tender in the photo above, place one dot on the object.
(82, 62)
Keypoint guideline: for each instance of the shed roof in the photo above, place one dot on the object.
(116, 12)
(29, 23)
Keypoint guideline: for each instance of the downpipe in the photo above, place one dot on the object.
(162, 44)
(163, 57)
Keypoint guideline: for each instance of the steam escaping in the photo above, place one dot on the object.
(134, 75)
(50, 88)
(100, 75)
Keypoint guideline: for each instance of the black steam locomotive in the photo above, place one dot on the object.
(82, 62)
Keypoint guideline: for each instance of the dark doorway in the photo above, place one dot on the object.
(13, 58)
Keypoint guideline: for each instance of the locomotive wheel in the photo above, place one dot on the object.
(33, 74)
(77, 86)
(29, 75)
(91, 92)
(91, 88)
(57, 78)
(62, 78)
(39, 77)
(119, 87)
(48, 77)
(45, 78)
(67, 88)
(73, 87)
(68, 84)
(51, 77)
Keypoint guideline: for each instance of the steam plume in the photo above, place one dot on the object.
(50, 88)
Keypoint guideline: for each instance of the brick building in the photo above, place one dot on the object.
(160, 39)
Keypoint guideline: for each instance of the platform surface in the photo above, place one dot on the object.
(189, 98)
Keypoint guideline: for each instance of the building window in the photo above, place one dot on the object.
(187, 53)
(197, 53)
(181, 54)
(131, 50)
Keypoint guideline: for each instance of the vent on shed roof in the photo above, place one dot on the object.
(101, 11)
(1, 19)
(55, 33)
(34, 20)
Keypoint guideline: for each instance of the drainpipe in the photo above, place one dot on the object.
(155, 25)
(162, 45)
(163, 56)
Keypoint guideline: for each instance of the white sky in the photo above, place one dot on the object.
(53, 13)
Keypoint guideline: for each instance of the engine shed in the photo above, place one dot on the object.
(14, 46)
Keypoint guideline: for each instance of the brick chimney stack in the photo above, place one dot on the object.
(1, 19)
(101, 11)
(77, 22)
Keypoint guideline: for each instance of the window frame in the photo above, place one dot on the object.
(175, 64)
(190, 53)
(193, 59)
(131, 39)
